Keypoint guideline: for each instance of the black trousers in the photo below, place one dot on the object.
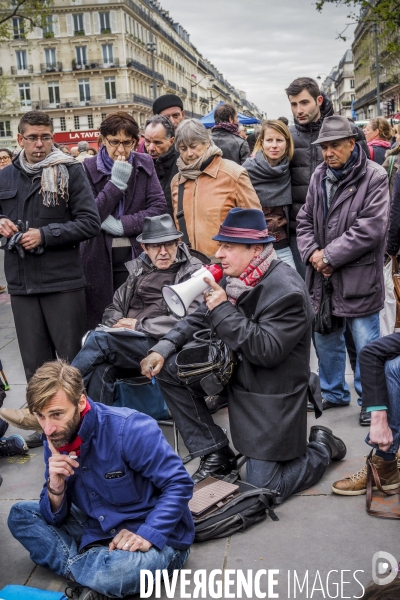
(190, 413)
(49, 326)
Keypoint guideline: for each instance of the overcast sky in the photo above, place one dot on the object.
(262, 45)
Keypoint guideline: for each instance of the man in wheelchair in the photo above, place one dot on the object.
(264, 315)
(137, 305)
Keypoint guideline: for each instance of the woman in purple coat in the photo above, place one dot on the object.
(126, 188)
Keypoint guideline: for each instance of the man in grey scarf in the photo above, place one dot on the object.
(46, 192)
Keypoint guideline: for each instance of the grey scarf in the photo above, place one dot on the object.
(193, 170)
(55, 175)
(272, 184)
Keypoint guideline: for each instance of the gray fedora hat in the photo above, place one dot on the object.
(157, 230)
(335, 128)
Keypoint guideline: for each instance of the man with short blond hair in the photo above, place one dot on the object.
(115, 497)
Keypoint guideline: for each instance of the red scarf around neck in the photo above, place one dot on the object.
(75, 445)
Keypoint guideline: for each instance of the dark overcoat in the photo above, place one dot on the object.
(143, 198)
(270, 331)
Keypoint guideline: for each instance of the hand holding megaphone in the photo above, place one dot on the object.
(180, 296)
(214, 296)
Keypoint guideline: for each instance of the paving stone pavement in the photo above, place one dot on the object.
(321, 540)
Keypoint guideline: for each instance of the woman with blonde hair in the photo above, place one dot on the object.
(378, 134)
(269, 173)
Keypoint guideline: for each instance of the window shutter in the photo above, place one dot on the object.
(113, 21)
(70, 25)
(86, 20)
(56, 25)
(96, 23)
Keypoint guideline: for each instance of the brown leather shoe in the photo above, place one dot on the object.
(20, 417)
(356, 484)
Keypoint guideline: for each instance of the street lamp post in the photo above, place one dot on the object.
(192, 85)
(151, 47)
(378, 91)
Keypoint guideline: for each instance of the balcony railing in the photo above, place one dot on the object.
(193, 96)
(18, 71)
(172, 85)
(94, 101)
(184, 90)
(94, 64)
(105, 30)
(134, 64)
(51, 67)
(142, 100)
(79, 32)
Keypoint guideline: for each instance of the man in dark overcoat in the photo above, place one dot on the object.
(263, 314)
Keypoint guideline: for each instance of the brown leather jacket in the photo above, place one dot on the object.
(160, 325)
(208, 199)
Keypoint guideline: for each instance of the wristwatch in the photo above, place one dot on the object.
(325, 260)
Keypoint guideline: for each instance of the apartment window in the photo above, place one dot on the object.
(352, 83)
(18, 28)
(63, 124)
(54, 93)
(109, 83)
(103, 116)
(22, 60)
(105, 26)
(81, 56)
(5, 128)
(25, 94)
(48, 29)
(79, 28)
(84, 90)
(90, 121)
(77, 124)
(107, 54)
(50, 58)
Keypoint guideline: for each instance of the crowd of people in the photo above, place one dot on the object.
(299, 218)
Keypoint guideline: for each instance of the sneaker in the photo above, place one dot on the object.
(356, 484)
(34, 440)
(15, 444)
(80, 592)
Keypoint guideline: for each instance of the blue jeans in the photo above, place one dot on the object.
(331, 352)
(286, 255)
(103, 355)
(392, 376)
(291, 476)
(115, 574)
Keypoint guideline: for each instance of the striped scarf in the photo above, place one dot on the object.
(251, 275)
(55, 175)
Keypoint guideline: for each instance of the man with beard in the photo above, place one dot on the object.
(309, 107)
(159, 137)
(115, 498)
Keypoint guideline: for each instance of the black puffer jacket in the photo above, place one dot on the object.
(166, 169)
(233, 146)
(306, 159)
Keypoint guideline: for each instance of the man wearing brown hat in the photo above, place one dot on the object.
(137, 305)
(341, 232)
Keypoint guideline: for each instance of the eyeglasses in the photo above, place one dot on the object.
(116, 143)
(4, 158)
(32, 139)
(167, 245)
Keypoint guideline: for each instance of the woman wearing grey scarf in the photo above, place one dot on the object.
(269, 173)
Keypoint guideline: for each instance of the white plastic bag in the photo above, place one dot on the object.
(387, 316)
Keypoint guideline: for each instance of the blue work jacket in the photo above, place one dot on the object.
(150, 499)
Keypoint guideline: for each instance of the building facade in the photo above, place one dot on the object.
(94, 58)
(340, 84)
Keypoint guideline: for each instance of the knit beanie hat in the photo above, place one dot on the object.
(166, 101)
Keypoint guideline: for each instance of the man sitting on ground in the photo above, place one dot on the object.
(380, 380)
(265, 317)
(137, 305)
(115, 497)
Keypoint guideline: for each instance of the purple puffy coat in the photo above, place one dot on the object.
(353, 237)
(143, 198)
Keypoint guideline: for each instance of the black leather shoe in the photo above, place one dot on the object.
(214, 403)
(365, 418)
(219, 461)
(324, 435)
(326, 405)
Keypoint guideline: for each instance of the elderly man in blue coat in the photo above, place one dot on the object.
(115, 497)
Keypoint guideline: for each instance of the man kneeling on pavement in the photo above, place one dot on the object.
(263, 314)
(380, 380)
(115, 497)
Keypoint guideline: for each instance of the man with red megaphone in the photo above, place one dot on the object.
(263, 314)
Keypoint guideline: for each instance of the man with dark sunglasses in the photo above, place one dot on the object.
(137, 305)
